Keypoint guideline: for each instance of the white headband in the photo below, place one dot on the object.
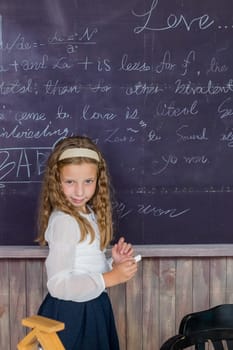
(79, 152)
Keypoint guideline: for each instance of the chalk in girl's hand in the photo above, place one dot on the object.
(137, 258)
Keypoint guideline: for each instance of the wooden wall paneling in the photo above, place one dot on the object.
(229, 280)
(201, 284)
(167, 298)
(134, 311)
(4, 306)
(184, 289)
(17, 301)
(150, 316)
(218, 268)
(44, 281)
(117, 295)
(147, 309)
(34, 285)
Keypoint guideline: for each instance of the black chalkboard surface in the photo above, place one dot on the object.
(151, 82)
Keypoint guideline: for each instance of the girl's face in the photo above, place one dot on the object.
(78, 183)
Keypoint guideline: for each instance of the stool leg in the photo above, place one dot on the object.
(29, 342)
(49, 341)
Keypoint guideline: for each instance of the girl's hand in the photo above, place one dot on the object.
(121, 251)
(121, 272)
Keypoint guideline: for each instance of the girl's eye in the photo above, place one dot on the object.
(69, 182)
(89, 181)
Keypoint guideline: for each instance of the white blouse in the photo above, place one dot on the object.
(74, 269)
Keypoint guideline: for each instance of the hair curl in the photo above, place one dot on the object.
(52, 196)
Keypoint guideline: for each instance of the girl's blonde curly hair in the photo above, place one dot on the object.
(52, 196)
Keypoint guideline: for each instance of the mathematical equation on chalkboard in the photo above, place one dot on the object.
(151, 83)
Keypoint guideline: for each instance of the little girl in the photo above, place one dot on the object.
(75, 220)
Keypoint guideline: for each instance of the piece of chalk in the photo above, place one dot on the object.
(137, 258)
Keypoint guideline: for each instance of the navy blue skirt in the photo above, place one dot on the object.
(89, 325)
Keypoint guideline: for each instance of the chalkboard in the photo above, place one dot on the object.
(150, 82)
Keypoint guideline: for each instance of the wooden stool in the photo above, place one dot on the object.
(43, 332)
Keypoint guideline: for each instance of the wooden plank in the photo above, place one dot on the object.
(169, 250)
(4, 306)
(229, 281)
(184, 289)
(201, 284)
(117, 295)
(218, 267)
(20, 252)
(134, 311)
(34, 285)
(17, 301)
(44, 281)
(184, 250)
(167, 298)
(150, 316)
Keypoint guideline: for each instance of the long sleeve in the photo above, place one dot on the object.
(74, 268)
